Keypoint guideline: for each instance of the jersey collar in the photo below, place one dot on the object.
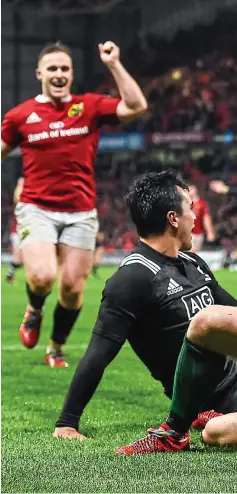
(41, 98)
(156, 255)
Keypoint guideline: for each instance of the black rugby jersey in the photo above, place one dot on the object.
(149, 301)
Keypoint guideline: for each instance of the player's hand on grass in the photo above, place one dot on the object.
(109, 53)
(68, 433)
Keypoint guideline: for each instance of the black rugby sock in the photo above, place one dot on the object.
(64, 320)
(36, 301)
(198, 372)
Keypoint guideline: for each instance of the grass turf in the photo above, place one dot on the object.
(127, 401)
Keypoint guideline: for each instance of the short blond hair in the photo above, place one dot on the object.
(54, 48)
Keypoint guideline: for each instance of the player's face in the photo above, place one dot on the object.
(186, 221)
(193, 192)
(55, 72)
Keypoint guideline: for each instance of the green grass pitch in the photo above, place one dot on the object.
(127, 402)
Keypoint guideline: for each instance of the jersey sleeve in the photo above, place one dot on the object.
(203, 265)
(222, 297)
(125, 297)
(9, 132)
(104, 108)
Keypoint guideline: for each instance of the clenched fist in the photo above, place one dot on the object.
(218, 186)
(109, 53)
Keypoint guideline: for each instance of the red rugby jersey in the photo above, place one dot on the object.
(200, 208)
(58, 147)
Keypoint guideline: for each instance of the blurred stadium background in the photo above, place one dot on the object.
(183, 52)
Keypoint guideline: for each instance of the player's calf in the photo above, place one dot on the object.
(75, 268)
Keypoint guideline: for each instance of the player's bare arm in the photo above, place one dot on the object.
(133, 101)
(18, 190)
(209, 228)
(100, 352)
(5, 149)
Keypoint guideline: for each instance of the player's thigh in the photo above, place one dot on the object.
(37, 238)
(215, 327)
(75, 267)
(221, 430)
(40, 263)
(76, 249)
(16, 253)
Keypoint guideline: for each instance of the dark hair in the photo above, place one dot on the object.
(53, 48)
(151, 197)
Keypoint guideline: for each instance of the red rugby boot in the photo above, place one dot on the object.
(159, 440)
(55, 359)
(203, 417)
(30, 327)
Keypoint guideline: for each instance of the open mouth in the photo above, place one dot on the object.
(59, 83)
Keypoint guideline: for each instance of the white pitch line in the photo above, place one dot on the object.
(13, 348)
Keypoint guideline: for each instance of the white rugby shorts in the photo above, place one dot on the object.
(14, 240)
(74, 229)
(197, 241)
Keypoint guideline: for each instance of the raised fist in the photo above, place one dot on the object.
(218, 186)
(109, 53)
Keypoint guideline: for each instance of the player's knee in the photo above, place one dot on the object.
(71, 289)
(218, 432)
(43, 279)
(211, 434)
(202, 324)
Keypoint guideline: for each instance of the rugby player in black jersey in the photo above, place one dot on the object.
(150, 301)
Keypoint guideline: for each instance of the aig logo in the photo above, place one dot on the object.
(198, 300)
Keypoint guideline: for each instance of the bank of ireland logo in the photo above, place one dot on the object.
(198, 300)
(76, 110)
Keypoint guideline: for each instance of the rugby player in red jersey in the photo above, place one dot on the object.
(203, 223)
(58, 133)
(16, 253)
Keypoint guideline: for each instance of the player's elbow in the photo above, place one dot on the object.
(211, 436)
(5, 150)
(139, 107)
(142, 107)
(202, 323)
